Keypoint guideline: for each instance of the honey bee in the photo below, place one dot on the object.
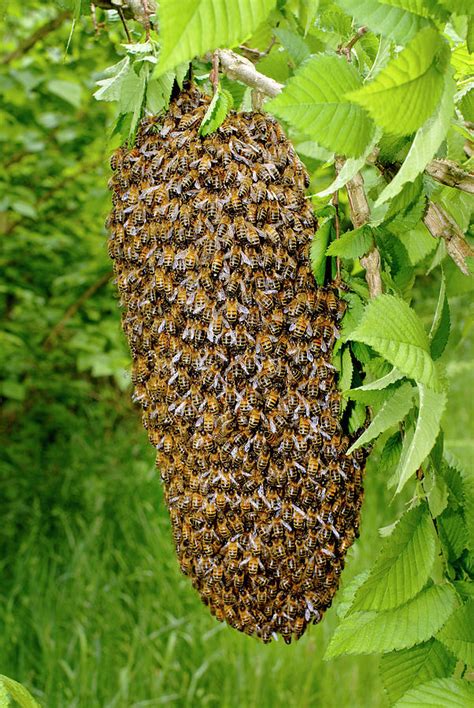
(235, 204)
(231, 173)
(276, 322)
(217, 263)
(301, 327)
(188, 120)
(168, 257)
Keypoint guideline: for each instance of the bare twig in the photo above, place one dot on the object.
(360, 215)
(146, 19)
(256, 54)
(37, 36)
(335, 203)
(75, 307)
(441, 225)
(449, 173)
(241, 69)
(347, 48)
(122, 18)
(214, 75)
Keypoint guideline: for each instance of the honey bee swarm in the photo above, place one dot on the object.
(231, 343)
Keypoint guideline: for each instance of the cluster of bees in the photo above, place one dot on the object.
(231, 342)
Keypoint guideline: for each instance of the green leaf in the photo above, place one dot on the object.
(294, 44)
(375, 632)
(190, 28)
(132, 90)
(110, 88)
(18, 692)
(347, 373)
(453, 533)
(436, 491)
(391, 22)
(418, 7)
(67, 90)
(458, 633)
(317, 251)
(425, 144)
(350, 168)
(313, 102)
(439, 693)
(158, 92)
(405, 93)
(403, 564)
(216, 112)
(392, 412)
(347, 593)
(352, 244)
(414, 452)
(402, 670)
(393, 329)
(392, 377)
(391, 453)
(418, 243)
(441, 327)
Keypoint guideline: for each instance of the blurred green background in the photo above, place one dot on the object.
(93, 609)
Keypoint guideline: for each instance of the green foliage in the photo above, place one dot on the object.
(216, 113)
(317, 252)
(409, 624)
(445, 693)
(392, 328)
(403, 566)
(74, 454)
(12, 689)
(396, 406)
(405, 669)
(314, 102)
(405, 93)
(352, 244)
(458, 633)
(425, 143)
(417, 447)
(192, 27)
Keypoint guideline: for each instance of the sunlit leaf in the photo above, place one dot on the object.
(425, 144)
(317, 251)
(393, 329)
(405, 93)
(396, 407)
(313, 102)
(432, 405)
(375, 632)
(458, 633)
(403, 564)
(402, 670)
(352, 244)
(439, 693)
(191, 28)
(391, 22)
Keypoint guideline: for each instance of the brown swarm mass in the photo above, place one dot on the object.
(231, 342)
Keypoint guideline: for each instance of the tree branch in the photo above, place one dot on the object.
(441, 225)
(449, 173)
(132, 9)
(37, 36)
(360, 215)
(75, 307)
(241, 69)
(347, 48)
